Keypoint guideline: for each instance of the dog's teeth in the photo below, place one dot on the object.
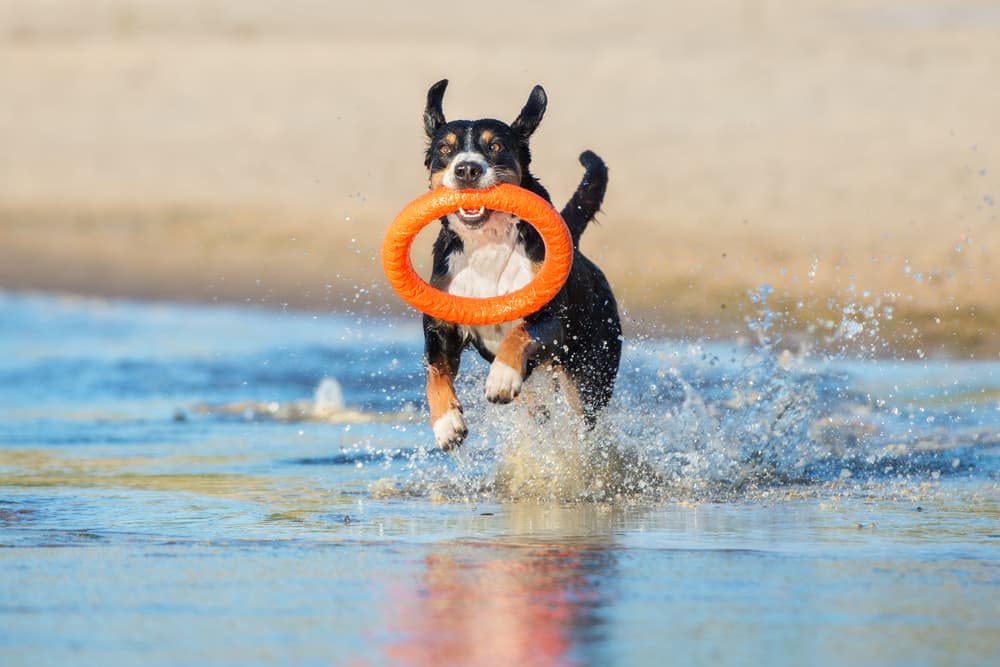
(468, 213)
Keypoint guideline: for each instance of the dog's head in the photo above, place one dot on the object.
(474, 154)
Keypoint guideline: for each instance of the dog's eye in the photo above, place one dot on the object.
(496, 147)
(444, 149)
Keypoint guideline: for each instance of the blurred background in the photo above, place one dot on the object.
(844, 153)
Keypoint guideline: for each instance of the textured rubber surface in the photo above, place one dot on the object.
(439, 202)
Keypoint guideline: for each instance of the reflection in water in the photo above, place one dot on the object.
(536, 600)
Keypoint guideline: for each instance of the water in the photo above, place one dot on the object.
(214, 486)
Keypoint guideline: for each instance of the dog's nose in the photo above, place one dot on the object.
(467, 173)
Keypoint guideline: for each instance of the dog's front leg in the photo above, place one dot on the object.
(442, 354)
(510, 366)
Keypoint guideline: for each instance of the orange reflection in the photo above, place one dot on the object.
(498, 604)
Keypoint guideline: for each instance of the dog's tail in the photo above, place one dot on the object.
(586, 201)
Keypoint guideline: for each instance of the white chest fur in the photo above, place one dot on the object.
(492, 264)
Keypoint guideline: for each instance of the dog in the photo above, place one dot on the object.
(485, 253)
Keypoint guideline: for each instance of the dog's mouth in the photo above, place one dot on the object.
(473, 217)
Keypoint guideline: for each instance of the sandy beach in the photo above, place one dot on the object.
(240, 151)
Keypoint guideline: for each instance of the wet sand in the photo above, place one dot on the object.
(245, 152)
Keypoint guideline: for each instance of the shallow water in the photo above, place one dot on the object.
(210, 485)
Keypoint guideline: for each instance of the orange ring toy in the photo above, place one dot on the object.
(439, 202)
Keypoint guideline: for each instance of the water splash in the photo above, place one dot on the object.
(706, 422)
(689, 419)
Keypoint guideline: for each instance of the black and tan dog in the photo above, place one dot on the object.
(483, 253)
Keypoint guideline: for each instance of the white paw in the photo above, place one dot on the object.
(503, 383)
(449, 429)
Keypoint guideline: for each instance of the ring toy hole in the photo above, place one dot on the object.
(439, 202)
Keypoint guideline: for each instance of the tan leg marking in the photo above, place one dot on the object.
(507, 371)
(446, 411)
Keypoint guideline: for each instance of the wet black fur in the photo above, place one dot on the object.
(580, 328)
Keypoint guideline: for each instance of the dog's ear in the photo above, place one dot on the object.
(531, 115)
(433, 115)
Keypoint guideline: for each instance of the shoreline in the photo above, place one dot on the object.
(814, 328)
(683, 289)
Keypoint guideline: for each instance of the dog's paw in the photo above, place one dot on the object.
(450, 429)
(503, 383)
